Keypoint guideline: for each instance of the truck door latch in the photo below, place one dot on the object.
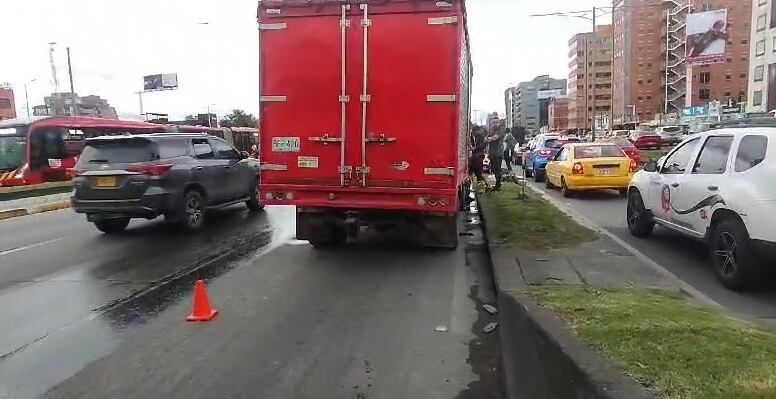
(326, 139)
(381, 139)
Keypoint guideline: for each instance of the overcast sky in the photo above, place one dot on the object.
(115, 43)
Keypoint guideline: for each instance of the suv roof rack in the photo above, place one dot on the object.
(746, 122)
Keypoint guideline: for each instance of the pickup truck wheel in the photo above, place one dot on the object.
(193, 211)
(254, 202)
(734, 261)
(640, 222)
(112, 226)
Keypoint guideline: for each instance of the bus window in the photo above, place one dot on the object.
(12, 152)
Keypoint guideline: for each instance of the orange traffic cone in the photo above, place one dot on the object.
(202, 310)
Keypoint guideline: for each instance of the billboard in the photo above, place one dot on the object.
(707, 36)
(165, 81)
(551, 93)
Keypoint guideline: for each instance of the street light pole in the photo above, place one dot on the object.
(27, 96)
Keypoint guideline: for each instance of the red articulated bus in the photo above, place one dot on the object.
(364, 115)
(34, 151)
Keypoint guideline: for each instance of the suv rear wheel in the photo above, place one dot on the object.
(640, 222)
(734, 262)
(254, 203)
(112, 226)
(193, 211)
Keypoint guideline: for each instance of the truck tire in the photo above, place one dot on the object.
(464, 198)
(112, 226)
(328, 237)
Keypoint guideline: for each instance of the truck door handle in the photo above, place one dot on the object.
(196, 168)
(713, 188)
(675, 185)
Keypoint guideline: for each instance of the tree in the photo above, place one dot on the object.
(239, 118)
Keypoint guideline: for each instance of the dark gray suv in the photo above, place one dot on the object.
(179, 176)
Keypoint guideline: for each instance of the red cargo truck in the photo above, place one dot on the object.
(364, 115)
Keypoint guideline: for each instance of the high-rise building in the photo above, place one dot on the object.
(590, 64)
(59, 104)
(761, 96)
(7, 103)
(650, 72)
(558, 112)
(527, 103)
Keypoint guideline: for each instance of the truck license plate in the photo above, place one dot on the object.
(285, 144)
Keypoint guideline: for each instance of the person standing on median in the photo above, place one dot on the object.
(495, 142)
(509, 150)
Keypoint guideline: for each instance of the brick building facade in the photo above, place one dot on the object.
(7, 102)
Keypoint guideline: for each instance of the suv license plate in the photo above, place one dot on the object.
(106, 181)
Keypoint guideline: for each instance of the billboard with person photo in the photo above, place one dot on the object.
(706, 36)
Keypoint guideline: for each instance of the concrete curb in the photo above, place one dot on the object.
(53, 206)
(19, 212)
(13, 213)
(542, 358)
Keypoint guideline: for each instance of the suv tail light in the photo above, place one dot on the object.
(634, 167)
(151, 170)
(545, 153)
(577, 169)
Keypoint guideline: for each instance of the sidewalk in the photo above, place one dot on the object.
(583, 316)
(27, 206)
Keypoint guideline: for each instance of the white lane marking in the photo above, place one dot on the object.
(26, 247)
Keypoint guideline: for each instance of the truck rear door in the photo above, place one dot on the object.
(359, 94)
(300, 115)
(411, 74)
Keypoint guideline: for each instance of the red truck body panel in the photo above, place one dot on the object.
(416, 119)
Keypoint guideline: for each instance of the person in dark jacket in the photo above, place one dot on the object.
(509, 150)
(495, 142)
(478, 145)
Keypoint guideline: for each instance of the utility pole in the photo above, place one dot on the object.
(72, 88)
(54, 78)
(595, 78)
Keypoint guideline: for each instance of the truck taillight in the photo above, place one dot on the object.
(432, 201)
(279, 196)
(634, 167)
(151, 170)
(577, 169)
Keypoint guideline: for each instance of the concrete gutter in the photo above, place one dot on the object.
(542, 358)
(13, 213)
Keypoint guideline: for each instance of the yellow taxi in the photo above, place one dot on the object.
(590, 166)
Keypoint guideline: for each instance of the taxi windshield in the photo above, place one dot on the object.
(597, 151)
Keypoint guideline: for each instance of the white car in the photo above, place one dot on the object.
(717, 186)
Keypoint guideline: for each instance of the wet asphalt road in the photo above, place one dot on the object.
(99, 316)
(682, 256)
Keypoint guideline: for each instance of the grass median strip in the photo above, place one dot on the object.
(674, 348)
(532, 222)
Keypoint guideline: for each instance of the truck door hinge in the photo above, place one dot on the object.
(273, 99)
(449, 171)
(365, 98)
(441, 98)
(345, 23)
(274, 26)
(443, 20)
(366, 22)
(363, 170)
(325, 139)
(381, 139)
(344, 99)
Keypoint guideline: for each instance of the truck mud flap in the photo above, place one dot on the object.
(438, 231)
